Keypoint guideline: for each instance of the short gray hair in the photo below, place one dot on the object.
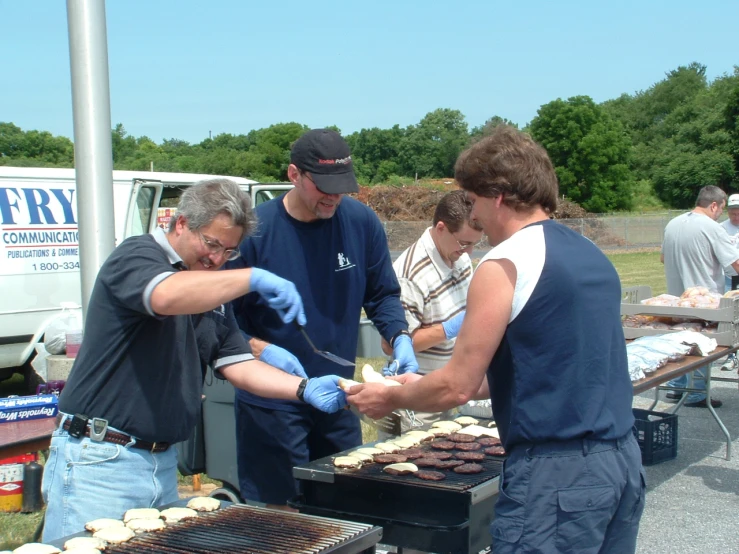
(202, 202)
(708, 195)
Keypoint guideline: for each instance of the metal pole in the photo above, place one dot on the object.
(93, 150)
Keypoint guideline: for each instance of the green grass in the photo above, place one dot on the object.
(12, 386)
(640, 268)
(369, 433)
(17, 529)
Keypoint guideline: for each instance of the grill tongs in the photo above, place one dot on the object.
(389, 424)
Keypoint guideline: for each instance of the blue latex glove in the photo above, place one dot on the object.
(405, 356)
(390, 368)
(452, 326)
(282, 359)
(279, 293)
(324, 393)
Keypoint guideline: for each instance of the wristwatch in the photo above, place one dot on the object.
(396, 335)
(301, 390)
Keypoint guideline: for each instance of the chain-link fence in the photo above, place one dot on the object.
(609, 232)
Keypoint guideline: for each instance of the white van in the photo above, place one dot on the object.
(39, 254)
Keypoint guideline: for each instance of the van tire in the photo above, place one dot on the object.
(226, 493)
(31, 379)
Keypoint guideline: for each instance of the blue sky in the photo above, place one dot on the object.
(183, 69)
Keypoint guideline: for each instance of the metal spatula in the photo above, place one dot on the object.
(332, 357)
(389, 424)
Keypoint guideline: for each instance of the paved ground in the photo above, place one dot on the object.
(693, 500)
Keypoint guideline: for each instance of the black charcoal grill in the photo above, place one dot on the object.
(241, 529)
(451, 516)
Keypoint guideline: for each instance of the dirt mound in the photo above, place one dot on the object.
(413, 203)
(418, 202)
(570, 210)
(411, 208)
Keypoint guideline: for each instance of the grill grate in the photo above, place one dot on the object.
(249, 529)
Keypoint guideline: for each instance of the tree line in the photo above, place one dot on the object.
(660, 145)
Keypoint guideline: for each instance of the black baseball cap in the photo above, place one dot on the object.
(326, 156)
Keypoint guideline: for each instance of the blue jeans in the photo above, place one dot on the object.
(85, 480)
(699, 382)
(583, 496)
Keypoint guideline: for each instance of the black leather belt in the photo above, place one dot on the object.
(119, 438)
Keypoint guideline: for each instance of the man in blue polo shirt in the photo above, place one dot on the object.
(335, 251)
(135, 387)
(542, 337)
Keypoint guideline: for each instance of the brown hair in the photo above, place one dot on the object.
(509, 163)
(454, 211)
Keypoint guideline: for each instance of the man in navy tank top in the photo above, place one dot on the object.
(543, 339)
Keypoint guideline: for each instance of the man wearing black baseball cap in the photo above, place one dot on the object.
(324, 154)
(334, 249)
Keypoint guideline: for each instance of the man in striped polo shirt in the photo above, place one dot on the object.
(434, 274)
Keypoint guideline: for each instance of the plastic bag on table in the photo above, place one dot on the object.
(661, 300)
(68, 321)
(655, 325)
(695, 291)
(688, 326)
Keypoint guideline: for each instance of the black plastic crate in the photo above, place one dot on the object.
(656, 433)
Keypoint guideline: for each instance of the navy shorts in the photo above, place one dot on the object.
(581, 496)
(270, 442)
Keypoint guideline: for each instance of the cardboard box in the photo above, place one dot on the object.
(25, 408)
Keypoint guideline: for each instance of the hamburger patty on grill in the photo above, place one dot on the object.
(469, 468)
(390, 458)
(468, 446)
(461, 437)
(443, 445)
(489, 441)
(427, 475)
(470, 456)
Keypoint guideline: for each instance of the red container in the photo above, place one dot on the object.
(74, 340)
(11, 487)
(20, 459)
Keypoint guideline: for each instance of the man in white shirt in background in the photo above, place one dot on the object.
(732, 228)
(434, 274)
(695, 250)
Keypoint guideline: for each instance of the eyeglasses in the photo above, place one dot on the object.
(218, 249)
(463, 244)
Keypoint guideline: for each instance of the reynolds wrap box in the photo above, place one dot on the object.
(24, 408)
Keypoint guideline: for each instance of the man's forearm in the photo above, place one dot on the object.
(194, 292)
(483, 393)
(426, 337)
(433, 393)
(262, 379)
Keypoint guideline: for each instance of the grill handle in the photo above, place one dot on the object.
(298, 502)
